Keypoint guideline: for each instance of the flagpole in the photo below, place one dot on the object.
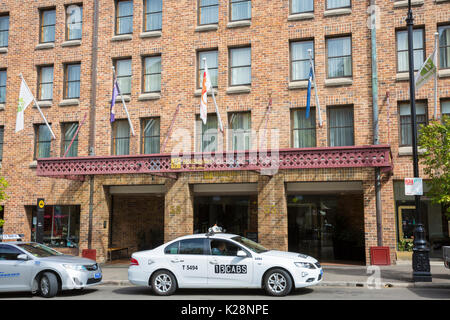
(123, 102)
(436, 39)
(37, 106)
(315, 87)
(219, 119)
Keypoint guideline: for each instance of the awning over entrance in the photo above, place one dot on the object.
(169, 165)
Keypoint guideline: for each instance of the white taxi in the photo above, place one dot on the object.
(222, 260)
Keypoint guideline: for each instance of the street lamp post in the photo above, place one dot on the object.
(421, 259)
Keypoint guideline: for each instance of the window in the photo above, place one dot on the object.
(208, 11)
(2, 136)
(124, 17)
(444, 47)
(43, 141)
(402, 50)
(4, 31)
(302, 6)
(123, 74)
(45, 90)
(9, 252)
(300, 64)
(339, 51)
(445, 108)
(192, 246)
(303, 130)
(334, 4)
(241, 66)
(48, 21)
(2, 86)
(152, 74)
(207, 134)
(172, 248)
(61, 226)
(240, 125)
(150, 135)
(121, 138)
(72, 81)
(223, 248)
(241, 10)
(152, 15)
(406, 124)
(74, 22)
(213, 67)
(340, 126)
(69, 131)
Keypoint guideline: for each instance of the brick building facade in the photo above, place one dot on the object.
(114, 209)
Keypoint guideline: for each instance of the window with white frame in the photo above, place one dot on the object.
(208, 11)
(213, 67)
(121, 138)
(240, 133)
(340, 126)
(153, 15)
(69, 130)
(207, 134)
(406, 122)
(241, 10)
(45, 77)
(339, 56)
(42, 142)
(300, 62)
(123, 74)
(150, 136)
(240, 66)
(335, 4)
(124, 17)
(152, 74)
(72, 81)
(2, 86)
(444, 47)
(303, 129)
(48, 22)
(302, 6)
(402, 50)
(74, 22)
(4, 30)
(445, 108)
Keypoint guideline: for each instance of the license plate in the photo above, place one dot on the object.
(97, 276)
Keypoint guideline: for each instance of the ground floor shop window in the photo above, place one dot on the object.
(437, 224)
(327, 227)
(236, 214)
(61, 226)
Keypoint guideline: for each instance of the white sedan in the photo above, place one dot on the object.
(221, 260)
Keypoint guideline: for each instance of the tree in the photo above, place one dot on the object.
(3, 196)
(435, 140)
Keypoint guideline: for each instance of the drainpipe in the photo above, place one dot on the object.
(93, 100)
(376, 137)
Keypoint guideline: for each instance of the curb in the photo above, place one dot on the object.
(383, 285)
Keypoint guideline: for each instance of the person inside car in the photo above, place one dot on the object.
(220, 250)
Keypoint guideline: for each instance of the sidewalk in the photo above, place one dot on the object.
(398, 276)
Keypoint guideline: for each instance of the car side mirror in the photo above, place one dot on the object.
(242, 254)
(22, 257)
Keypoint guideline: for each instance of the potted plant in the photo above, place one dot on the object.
(405, 250)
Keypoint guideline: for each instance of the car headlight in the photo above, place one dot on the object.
(305, 265)
(76, 267)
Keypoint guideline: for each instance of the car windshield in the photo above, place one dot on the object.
(39, 250)
(252, 245)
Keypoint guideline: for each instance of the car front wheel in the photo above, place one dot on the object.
(48, 285)
(277, 282)
(163, 283)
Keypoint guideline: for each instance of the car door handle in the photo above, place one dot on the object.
(177, 260)
(213, 262)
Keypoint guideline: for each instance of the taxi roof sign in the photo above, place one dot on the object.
(12, 236)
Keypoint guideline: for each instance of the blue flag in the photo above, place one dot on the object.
(113, 100)
(308, 99)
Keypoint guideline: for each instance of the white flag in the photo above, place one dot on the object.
(206, 86)
(25, 98)
(427, 70)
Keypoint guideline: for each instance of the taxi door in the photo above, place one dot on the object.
(225, 268)
(14, 274)
(189, 262)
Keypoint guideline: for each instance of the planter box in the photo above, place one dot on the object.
(404, 255)
(379, 256)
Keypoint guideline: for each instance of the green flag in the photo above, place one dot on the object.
(427, 70)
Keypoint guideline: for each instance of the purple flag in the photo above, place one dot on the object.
(113, 100)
